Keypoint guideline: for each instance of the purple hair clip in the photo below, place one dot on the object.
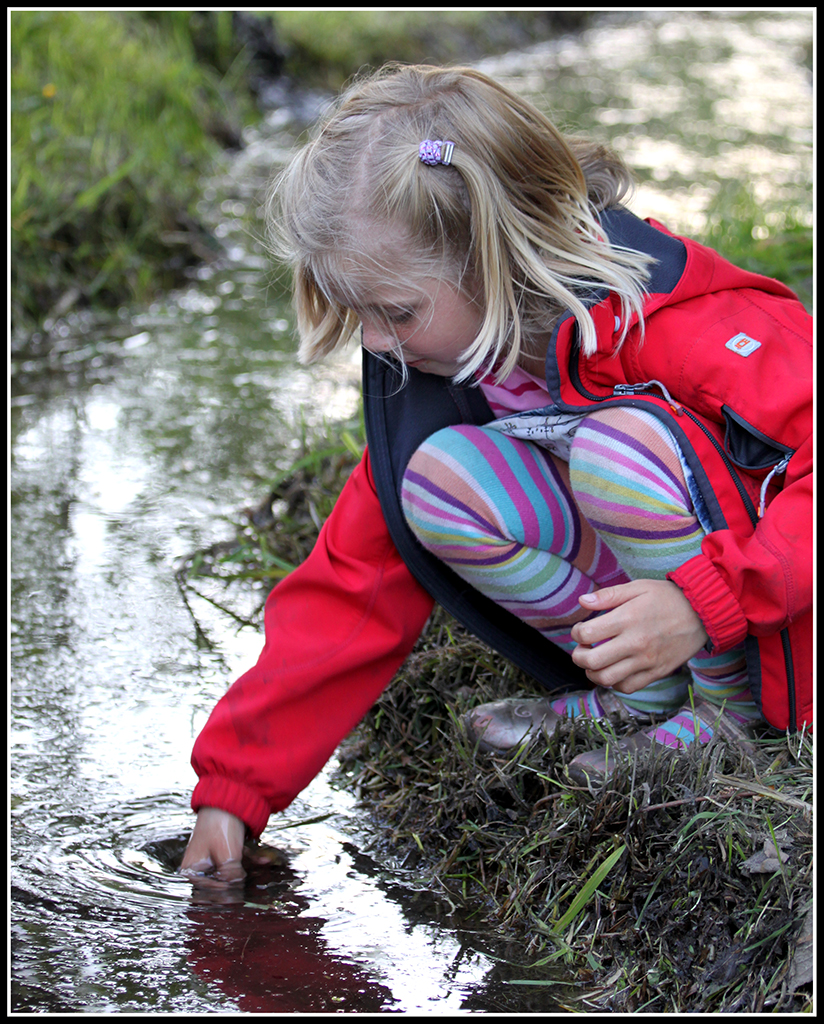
(435, 151)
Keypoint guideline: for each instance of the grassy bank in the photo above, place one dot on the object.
(110, 138)
(326, 47)
(654, 892)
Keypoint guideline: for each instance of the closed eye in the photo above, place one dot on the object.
(399, 317)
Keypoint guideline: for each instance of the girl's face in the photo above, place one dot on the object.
(429, 324)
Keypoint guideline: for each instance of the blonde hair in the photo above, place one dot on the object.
(514, 213)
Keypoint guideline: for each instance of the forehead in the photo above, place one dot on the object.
(382, 264)
(384, 293)
(373, 261)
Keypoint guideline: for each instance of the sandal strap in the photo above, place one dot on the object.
(614, 706)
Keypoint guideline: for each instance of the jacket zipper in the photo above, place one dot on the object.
(634, 389)
(779, 467)
(621, 390)
(743, 493)
(679, 410)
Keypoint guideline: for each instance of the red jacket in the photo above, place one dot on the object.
(727, 360)
(732, 353)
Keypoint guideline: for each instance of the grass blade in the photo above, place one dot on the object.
(588, 890)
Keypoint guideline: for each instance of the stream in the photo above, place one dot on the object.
(137, 439)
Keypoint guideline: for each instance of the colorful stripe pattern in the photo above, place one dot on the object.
(627, 480)
(473, 497)
(533, 534)
(681, 730)
(722, 679)
(582, 704)
(499, 511)
(628, 483)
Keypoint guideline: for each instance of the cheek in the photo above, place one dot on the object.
(470, 325)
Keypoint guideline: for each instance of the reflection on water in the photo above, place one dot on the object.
(133, 437)
(697, 102)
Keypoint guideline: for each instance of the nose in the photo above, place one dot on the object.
(378, 340)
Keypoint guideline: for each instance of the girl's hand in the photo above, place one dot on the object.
(213, 856)
(648, 631)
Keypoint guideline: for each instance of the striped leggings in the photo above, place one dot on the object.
(534, 533)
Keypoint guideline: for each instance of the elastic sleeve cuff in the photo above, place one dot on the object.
(714, 603)
(234, 797)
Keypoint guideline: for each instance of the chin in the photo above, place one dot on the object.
(438, 369)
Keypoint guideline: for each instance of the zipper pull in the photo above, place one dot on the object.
(779, 467)
(634, 389)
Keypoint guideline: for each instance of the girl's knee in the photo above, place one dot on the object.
(438, 476)
(589, 450)
(479, 482)
(436, 460)
(614, 443)
(625, 473)
(443, 443)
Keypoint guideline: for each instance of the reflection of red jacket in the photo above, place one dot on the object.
(268, 956)
(733, 353)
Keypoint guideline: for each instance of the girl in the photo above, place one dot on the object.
(589, 439)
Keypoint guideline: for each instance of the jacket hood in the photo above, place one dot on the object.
(683, 269)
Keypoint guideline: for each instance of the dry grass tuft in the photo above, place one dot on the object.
(643, 888)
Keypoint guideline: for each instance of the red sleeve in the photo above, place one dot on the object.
(337, 629)
(761, 583)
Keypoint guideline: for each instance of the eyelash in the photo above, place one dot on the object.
(399, 319)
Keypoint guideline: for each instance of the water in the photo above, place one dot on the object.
(698, 103)
(132, 446)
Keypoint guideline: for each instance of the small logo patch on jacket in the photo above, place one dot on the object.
(743, 344)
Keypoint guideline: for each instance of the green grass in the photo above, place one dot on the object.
(777, 242)
(328, 47)
(112, 122)
(109, 143)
